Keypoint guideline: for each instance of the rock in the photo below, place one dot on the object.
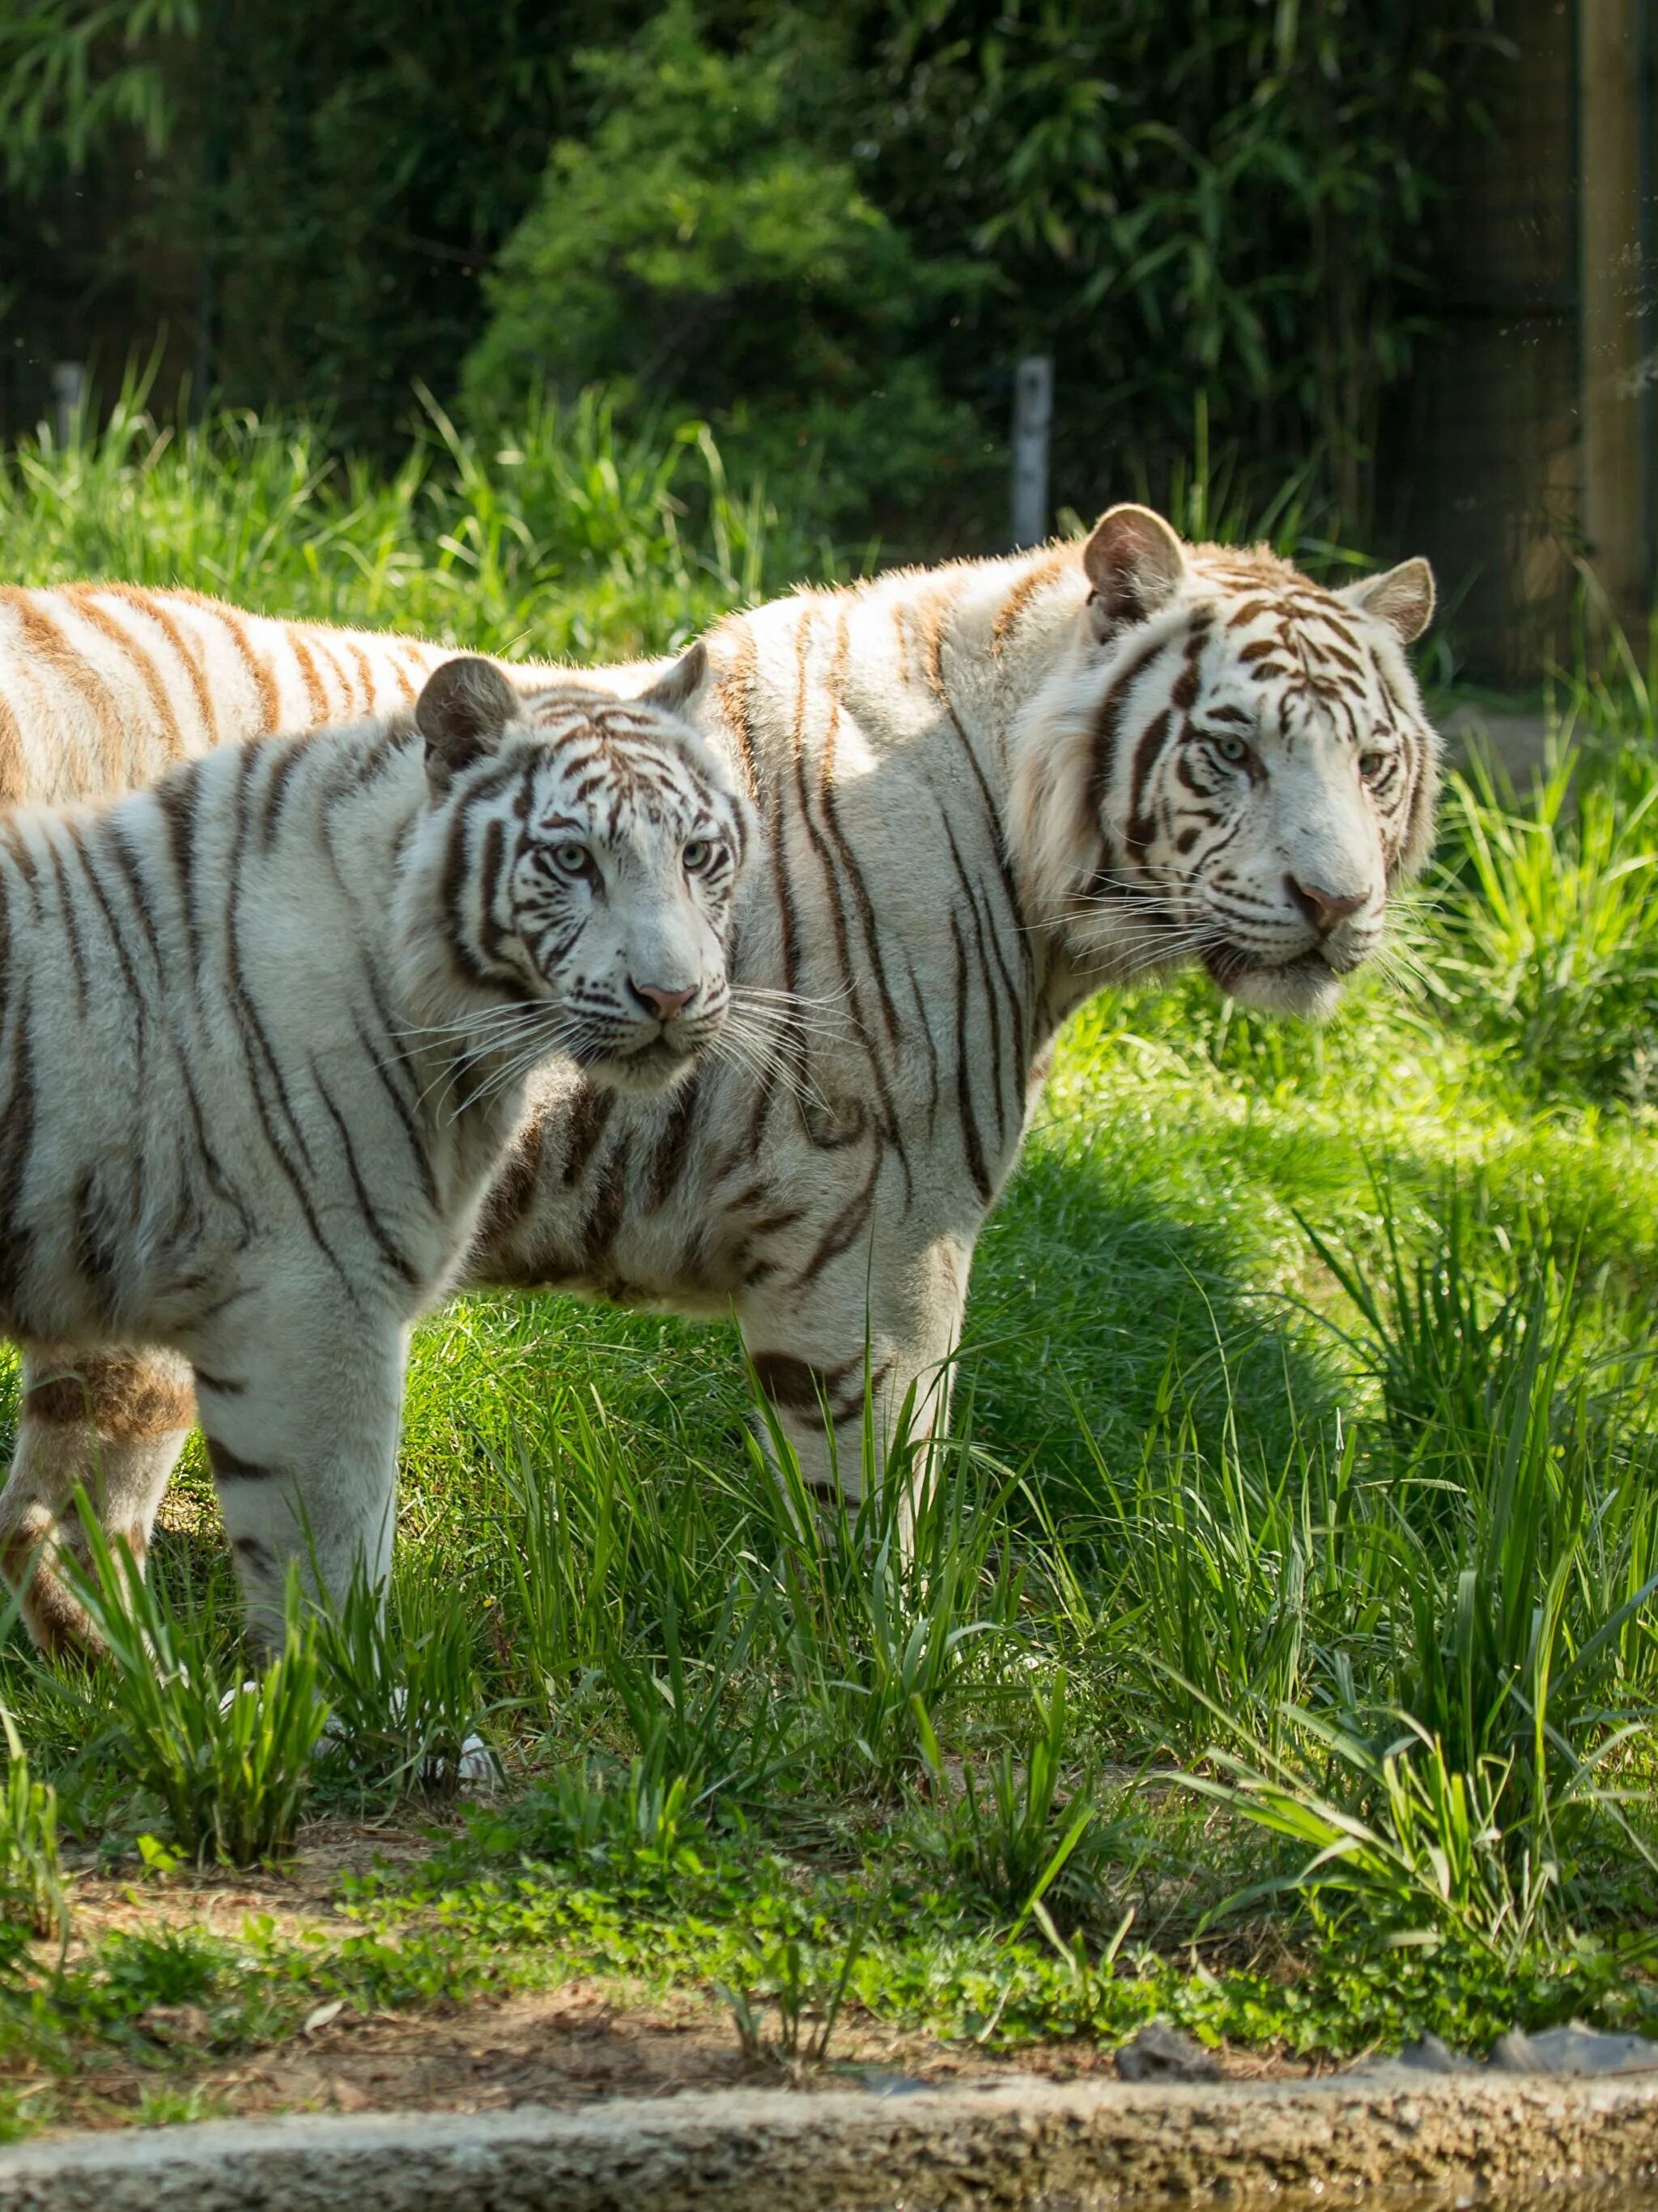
(1514, 2053)
(1161, 2053)
(176, 2023)
(1429, 2055)
(1576, 2049)
(882, 2082)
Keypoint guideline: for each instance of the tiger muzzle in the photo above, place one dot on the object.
(1325, 908)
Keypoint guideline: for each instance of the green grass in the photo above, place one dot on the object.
(566, 539)
(1279, 1650)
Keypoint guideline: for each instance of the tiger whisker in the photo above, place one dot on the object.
(787, 1011)
(512, 1069)
(480, 1029)
(540, 1032)
(762, 1057)
(783, 1025)
(792, 1082)
(801, 998)
(764, 1042)
(1171, 944)
(788, 1040)
(1123, 963)
(502, 1010)
(467, 1044)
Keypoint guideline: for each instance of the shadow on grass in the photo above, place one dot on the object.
(1097, 1284)
(1094, 1292)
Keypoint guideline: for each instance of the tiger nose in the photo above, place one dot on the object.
(1324, 909)
(664, 1004)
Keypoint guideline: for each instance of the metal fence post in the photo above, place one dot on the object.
(69, 382)
(1033, 413)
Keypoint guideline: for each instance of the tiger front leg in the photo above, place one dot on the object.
(880, 1334)
(299, 1412)
(112, 1423)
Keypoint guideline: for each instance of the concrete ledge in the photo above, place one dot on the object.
(1016, 2144)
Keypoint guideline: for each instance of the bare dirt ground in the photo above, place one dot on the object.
(562, 2047)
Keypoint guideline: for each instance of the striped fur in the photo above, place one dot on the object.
(103, 686)
(983, 790)
(265, 1032)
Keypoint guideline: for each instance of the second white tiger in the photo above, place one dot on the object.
(264, 1032)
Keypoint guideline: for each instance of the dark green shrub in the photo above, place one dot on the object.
(707, 243)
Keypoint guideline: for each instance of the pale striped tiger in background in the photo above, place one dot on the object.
(265, 1030)
(103, 686)
(984, 791)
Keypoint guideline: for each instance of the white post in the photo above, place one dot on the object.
(1033, 413)
(69, 379)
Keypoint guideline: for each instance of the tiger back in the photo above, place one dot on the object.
(104, 686)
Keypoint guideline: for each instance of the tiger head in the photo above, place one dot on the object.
(592, 851)
(1238, 769)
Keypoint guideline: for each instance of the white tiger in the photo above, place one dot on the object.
(984, 791)
(265, 1030)
(103, 686)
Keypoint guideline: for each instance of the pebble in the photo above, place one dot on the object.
(1161, 2053)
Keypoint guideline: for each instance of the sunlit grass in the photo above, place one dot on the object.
(567, 539)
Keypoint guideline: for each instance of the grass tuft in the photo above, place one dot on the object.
(227, 1760)
(32, 1898)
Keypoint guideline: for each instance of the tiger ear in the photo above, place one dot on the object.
(1403, 597)
(682, 682)
(1134, 563)
(465, 706)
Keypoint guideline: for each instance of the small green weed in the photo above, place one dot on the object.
(1517, 1560)
(32, 1900)
(229, 1761)
(593, 1817)
(1011, 1833)
(1216, 1560)
(1548, 938)
(163, 2107)
(401, 1680)
(877, 1617)
(804, 1985)
(1413, 1853)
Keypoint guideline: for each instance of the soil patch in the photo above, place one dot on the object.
(587, 2041)
(564, 2047)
